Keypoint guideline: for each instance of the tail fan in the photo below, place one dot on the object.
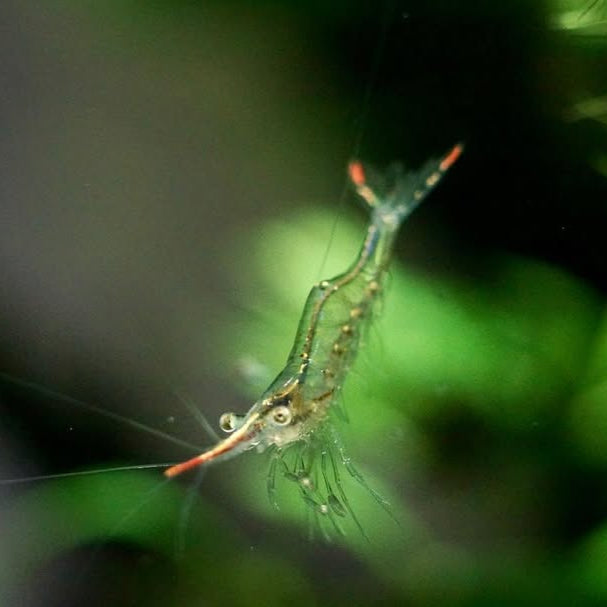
(399, 192)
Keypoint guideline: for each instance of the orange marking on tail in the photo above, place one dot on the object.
(451, 157)
(357, 173)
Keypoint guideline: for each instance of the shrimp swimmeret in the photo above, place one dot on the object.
(296, 407)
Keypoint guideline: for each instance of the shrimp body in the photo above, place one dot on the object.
(299, 400)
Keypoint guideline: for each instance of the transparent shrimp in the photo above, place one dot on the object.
(295, 409)
(293, 415)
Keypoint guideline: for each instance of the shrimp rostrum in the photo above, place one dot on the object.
(296, 408)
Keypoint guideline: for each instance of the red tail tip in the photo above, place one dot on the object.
(451, 157)
(357, 173)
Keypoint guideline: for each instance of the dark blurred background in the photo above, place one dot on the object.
(170, 177)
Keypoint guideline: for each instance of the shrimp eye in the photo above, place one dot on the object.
(282, 415)
(228, 422)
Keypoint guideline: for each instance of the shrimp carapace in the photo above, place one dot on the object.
(298, 401)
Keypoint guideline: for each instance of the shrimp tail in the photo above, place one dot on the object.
(394, 196)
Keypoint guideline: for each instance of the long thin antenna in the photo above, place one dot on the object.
(590, 6)
(371, 82)
(49, 477)
(98, 410)
(198, 415)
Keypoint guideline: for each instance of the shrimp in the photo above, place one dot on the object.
(294, 410)
(292, 417)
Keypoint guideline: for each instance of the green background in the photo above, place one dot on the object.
(172, 179)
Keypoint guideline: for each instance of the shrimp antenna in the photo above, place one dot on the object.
(588, 8)
(371, 83)
(198, 415)
(98, 410)
(50, 477)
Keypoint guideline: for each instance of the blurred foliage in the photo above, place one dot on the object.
(488, 354)
(478, 406)
(582, 17)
